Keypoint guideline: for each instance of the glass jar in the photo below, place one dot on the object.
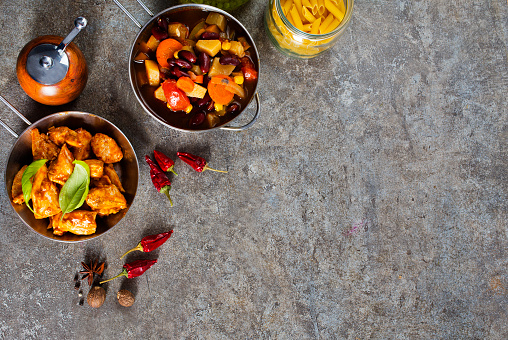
(295, 42)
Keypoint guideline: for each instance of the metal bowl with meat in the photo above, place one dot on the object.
(77, 171)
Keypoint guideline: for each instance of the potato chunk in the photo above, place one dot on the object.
(152, 72)
(217, 68)
(210, 47)
(217, 19)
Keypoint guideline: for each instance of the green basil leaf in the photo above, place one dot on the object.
(26, 180)
(75, 190)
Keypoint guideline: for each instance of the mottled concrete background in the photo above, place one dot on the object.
(399, 134)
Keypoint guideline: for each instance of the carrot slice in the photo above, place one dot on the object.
(167, 49)
(199, 79)
(229, 84)
(219, 92)
(185, 84)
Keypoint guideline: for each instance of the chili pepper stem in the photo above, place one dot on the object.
(138, 247)
(173, 171)
(208, 168)
(123, 273)
(165, 190)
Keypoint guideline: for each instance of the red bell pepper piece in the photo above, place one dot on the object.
(177, 99)
(248, 69)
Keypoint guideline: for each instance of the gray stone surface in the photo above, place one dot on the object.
(399, 132)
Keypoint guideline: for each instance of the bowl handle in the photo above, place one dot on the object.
(248, 125)
(16, 112)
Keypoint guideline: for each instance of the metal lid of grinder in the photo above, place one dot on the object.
(47, 63)
(52, 70)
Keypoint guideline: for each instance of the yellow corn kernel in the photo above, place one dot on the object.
(175, 55)
(238, 79)
(218, 107)
(226, 45)
(188, 109)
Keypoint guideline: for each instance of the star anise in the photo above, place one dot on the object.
(94, 268)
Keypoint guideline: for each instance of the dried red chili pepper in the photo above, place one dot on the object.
(150, 242)
(197, 163)
(133, 269)
(159, 179)
(166, 163)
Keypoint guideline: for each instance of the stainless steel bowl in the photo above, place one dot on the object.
(127, 168)
(183, 12)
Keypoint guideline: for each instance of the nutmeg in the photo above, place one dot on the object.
(125, 298)
(96, 296)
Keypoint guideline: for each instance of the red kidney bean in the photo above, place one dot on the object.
(187, 55)
(204, 101)
(163, 23)
(171, 62)
(165, 73)
(233, 108)
(178, 73)
(183, 64)
(210, 107)
(159, 34)
(197, 119)
(206, 79)
(209, 36)
(204, 62)
(229, 60)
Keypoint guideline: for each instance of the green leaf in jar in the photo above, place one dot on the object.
(75, 190)
(26, 180)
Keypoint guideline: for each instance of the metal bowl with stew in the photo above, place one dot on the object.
(195, 68)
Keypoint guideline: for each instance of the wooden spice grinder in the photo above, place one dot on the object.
(52, 70)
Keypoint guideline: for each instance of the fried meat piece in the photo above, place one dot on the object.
(96, 167)
(81, 144)
(17, 190)
(79, 222)
(58, 135)
(106, 149)
(100, 182)
(106, 200)
(109, 171)
(42, 146)
(44, 195)
(61, 168)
